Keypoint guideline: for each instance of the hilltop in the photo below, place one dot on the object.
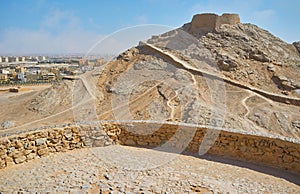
(232, 75)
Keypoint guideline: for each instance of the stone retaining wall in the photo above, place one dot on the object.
(260, 149)
(19, 148)
(269, 151)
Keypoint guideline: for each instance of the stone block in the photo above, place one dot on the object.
(142, 143)
(17, 154)
(68, 136)
(3, 152)
(295, 154)
(88, 142)
(11, 150)
(30, 137)
(99, 143)
(31, 156)
(287, 158)
(59, 148)
(129, 142)
(20, 159)
(9, 161)
(75, 129)
(55, 141)
(40, 141)
(2, 164)
(26, 152)
(18, 144)
(42, 152)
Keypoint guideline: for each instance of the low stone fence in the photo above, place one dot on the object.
(255, 148)
(270, 151)
(19, 148)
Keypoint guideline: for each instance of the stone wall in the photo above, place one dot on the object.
(227, 18)
(255, 148)
(19, 148)
(209, 22)
(260, 149)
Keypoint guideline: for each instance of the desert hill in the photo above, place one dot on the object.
(219, 62)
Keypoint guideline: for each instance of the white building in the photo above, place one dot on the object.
(22, 77)
(41, 58)
(4, 71)
(22, 59)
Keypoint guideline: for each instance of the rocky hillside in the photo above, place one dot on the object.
(251, 55)
(54, 99)
(212, 71)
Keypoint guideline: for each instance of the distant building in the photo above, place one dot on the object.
(22, 59)
(87, 68)
(11, 59)
(32, 77)
(49, 76)
(4, 71)
(34, 71)
(21, 77)
(20, 69)
(3, 77)
(5, 59)
(28, 58)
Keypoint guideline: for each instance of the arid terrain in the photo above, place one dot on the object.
(98, 169)
(214, 72)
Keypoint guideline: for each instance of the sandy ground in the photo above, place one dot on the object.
(137, 170)
(14, 107)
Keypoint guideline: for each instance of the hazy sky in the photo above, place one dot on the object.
(52, 26)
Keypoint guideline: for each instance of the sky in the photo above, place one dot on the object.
(65, 26)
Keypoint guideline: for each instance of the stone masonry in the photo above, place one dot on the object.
(17, 149)
(255, 148)
(209, 22)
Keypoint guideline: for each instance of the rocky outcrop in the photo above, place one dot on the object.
(7, 124)
(286, 83)
(54, 99)
(297, 45)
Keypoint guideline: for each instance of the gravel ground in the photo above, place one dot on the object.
(121, 169)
